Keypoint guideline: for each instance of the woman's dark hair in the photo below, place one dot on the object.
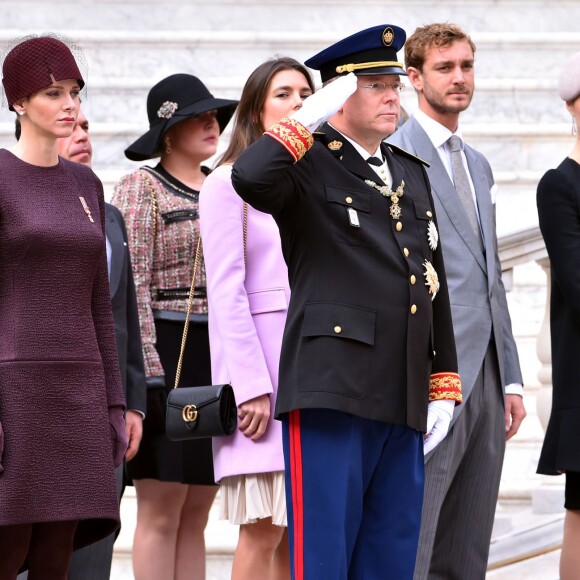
(248, 126)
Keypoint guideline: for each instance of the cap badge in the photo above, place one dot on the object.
(167, 110)
(388, 36)
(334, 145)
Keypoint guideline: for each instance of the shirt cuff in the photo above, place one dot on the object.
(514, 389)
(137, 411)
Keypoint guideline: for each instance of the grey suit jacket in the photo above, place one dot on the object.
(476, 291)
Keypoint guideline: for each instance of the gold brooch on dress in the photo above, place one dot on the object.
(432, 235)
(432, 280)
(395, 209)
(87, 209)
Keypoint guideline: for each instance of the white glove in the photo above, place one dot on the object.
(324, 103)
(439, 414)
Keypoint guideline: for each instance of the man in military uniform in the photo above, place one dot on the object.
(368, 362)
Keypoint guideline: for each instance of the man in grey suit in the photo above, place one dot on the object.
(462, 474)
(94, 561)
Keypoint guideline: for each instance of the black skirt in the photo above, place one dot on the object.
(188, 462)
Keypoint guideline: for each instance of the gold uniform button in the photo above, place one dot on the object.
(406, 252)
(429, 214)
(413, 309)
(413, 279)
(348, 199)
(399, 226)
(337, 329)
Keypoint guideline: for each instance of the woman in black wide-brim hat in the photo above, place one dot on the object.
(174, 481)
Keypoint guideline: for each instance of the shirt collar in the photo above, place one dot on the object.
(361, 150)
(437, 133)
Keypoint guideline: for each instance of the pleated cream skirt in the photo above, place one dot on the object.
(245, 499)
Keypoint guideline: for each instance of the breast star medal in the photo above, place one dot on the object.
(432, 235)
(395, 209)
(432, 280)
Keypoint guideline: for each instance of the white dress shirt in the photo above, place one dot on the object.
(383, 170)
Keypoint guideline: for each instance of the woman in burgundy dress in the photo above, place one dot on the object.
(61, 400)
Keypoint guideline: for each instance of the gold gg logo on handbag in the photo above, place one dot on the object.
(189, 413)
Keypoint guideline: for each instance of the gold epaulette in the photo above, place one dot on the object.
(445, 386)
(405, 153)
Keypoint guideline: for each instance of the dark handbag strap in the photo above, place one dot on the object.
(192, 289)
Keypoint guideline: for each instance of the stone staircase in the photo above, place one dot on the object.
(516, 120)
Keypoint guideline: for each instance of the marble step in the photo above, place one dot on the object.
(321, 17)
(152, 52)
(509, 147)
(496, 99)
(220, 537)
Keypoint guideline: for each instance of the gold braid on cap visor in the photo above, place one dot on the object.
(378, 64)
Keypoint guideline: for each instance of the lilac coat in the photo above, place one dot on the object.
(247, 304)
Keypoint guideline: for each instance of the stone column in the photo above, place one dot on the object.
(544, 352)
(548, 497)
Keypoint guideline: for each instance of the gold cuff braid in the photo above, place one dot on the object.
(293, 136)
(445, 386)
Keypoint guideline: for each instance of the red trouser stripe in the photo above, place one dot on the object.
(297, 493)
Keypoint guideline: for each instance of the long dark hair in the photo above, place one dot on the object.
(248, 126)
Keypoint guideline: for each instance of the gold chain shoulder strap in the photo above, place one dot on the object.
(192, 290)
(245, 222)
(245, 232)
(189, 305)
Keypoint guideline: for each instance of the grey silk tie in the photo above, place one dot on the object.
(462, 186)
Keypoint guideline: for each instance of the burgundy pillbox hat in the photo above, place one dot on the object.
(37, 63)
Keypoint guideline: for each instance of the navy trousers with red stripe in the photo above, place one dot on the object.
(354, 490)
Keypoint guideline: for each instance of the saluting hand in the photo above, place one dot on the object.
(324, 103)
(254, 416)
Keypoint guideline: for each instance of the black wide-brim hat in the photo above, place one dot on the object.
(171, 100)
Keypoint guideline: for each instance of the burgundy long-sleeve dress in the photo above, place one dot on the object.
(58, 362)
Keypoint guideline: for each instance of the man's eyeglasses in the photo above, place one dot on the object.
(380, 88)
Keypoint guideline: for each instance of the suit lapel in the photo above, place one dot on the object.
(115, 237)
(484, 206)
(443, 189)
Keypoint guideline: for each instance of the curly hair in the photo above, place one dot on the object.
(440, 35)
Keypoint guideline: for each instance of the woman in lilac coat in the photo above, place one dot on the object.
(248, 294)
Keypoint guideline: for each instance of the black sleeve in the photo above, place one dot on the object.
(559, 218)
